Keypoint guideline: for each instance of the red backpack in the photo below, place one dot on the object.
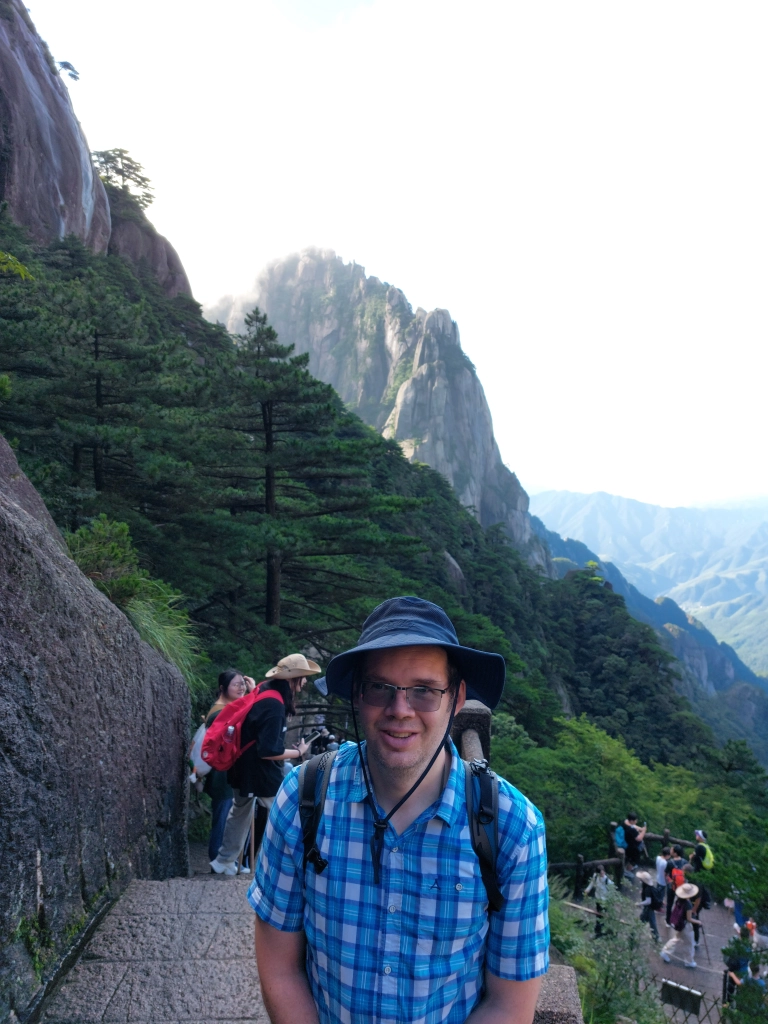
(676, 874)
(223, 739)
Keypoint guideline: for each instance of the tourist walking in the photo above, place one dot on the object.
(232, 684)
(257, 773)
(649, 901)
(681, 920)
(675, 875)
(601, 885)
(392, 917)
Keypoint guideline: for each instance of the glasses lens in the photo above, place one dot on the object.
(420, 698)
(378, 695)
(423, 698)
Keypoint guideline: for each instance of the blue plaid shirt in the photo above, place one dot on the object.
(411, 950)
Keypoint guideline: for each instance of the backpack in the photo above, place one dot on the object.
(223, 743)
(679, 915)
(708, 861)
(658, 897)
(482, 795)
(201, 767)
(677, 876)
(619, 839)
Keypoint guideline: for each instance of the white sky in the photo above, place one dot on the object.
(583, 185)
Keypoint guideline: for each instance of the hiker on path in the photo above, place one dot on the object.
(634, 835)
(389, 920)
(232, 684)
(682, 922)
(649, 901)
(257, 773)
(702, 857)
(675, 873)
(601, 885)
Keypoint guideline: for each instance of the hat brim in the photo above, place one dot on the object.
(680, 891)
(281, 672)
(482, 671)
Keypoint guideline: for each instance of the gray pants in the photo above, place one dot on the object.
(238, 823)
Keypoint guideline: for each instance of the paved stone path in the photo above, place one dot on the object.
(168, 952)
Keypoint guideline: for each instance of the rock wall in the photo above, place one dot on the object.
(93, 734)
(46, 175)
(136, 240)
(403, 372)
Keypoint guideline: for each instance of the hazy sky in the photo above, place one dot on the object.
(583, 185)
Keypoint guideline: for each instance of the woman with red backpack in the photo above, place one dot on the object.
(257, 773)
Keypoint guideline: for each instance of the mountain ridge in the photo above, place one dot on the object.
(403, 371)
(712, 561)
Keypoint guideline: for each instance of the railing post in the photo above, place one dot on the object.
(665, 841)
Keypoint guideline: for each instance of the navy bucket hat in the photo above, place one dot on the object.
(413, 622)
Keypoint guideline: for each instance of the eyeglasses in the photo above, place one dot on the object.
(419, 698)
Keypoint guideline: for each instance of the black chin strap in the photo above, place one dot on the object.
(380, 824)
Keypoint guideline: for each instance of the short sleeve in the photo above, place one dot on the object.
(518, 934)
(277, 891)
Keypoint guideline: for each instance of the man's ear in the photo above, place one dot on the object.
(461, 700)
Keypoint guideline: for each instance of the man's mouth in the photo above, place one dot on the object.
(397, 738)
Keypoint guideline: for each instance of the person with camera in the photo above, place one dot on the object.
(391, 916)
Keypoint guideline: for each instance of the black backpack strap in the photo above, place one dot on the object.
(311, 804)
(484, 825)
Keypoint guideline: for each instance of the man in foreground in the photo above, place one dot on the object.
(396, 927)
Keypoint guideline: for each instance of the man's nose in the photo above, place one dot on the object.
(400, 706)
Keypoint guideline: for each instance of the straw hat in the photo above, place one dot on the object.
(293, 666)
(687, 891)
(644, 876)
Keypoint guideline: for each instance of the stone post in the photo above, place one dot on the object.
(472, 731)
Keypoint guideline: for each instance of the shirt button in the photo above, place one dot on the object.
(394, 849)
(392, 909)
(459, 887)
(387, 970)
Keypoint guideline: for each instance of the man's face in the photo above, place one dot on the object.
(401, 739)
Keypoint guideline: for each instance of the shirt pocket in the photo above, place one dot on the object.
(452, 921)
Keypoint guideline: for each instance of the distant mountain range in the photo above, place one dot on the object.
(712, 562)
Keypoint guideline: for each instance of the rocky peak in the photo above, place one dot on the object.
(403, 372)
(46, 173)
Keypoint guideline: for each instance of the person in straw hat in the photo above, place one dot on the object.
(681, 919)
(649, 901)
(257, 774)
(392, 923)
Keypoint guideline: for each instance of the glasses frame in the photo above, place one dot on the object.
(392, 689)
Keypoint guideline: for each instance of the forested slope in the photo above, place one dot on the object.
(281, 520)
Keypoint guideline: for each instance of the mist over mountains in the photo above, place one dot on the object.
(713, 562)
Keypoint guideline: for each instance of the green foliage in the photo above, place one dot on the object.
(614, 976)
(38, 942)
(117, 168)
(10, 265)
(105, 554)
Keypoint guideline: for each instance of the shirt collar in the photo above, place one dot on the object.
(450, 802)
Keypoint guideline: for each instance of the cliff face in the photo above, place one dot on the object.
(46, 175)
(135, 239)
(403, 372)
(93, 727)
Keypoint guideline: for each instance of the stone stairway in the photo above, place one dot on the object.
(168, 952)
(181, 952)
